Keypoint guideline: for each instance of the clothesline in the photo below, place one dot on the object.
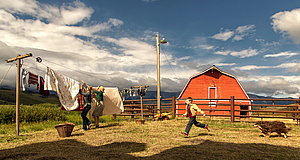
(4, 76)
(78, 71)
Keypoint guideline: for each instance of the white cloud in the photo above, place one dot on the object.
(20, 6)
(290, 67)
(206, 47)
(73, 14)
(264, 43)
(238, 34)
(184, 58)
(68, 13)
(243, 31)
(288, 23)
(252, 67)
(223, 52)
(225, 64)
(56, 36)
(224, 36)
(282, 54)
(52, 35)
(277, 86)
(242, 54)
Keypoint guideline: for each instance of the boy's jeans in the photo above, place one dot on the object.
(84, 112)
(191, 122)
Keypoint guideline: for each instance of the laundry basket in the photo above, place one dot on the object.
(65, 129)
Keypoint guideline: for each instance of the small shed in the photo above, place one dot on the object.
(212, 87)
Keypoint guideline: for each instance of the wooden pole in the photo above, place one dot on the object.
(141, 99)
(232, 108)
(158, 71)
(18, 68)
(142, 112)
(18, 95)
(174, 106)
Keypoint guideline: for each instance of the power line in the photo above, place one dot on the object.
(4, 76)
(169, 64)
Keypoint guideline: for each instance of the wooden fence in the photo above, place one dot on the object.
(272, 109)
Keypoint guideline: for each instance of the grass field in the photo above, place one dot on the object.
(154, 140)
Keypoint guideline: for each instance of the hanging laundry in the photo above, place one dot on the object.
(66, 88)
(135, 93)
(42, 86)
(124, 92)
(131, 92)
(42, 83)
(112, 100)
(143, 91)
(33, 79)
(47, 85)
(24, 75)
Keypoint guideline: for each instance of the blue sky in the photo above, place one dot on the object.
(112, 42)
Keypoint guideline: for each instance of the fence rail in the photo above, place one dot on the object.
(132, 108)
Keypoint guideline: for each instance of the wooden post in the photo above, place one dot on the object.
(132, 111)
(174, 107)
(18, 61)
(142, 121)
(142, 112)
(158, 72)
(18, 96)
(232, 108)
(297, 109)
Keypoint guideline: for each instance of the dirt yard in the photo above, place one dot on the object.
(155, 140)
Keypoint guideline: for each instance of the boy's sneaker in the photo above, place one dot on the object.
(207, 128)
(184, 133)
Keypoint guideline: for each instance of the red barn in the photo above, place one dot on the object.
(212, 87)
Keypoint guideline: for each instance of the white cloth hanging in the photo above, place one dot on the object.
(24, 78)
(113, 103)
(66, 88)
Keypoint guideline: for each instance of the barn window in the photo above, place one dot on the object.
(212, 94)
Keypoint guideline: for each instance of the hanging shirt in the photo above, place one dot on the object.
(33, 79)
(66, 88)
(42, 86)
(24, 75)
(42, 83)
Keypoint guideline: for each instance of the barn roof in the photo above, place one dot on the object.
(211, 68)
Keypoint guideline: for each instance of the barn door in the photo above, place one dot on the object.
(212, 94)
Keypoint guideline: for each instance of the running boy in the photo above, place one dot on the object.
(191, 110)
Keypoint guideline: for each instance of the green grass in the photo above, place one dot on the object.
(34, 113)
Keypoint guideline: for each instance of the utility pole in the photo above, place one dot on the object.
(18, 61)
(158, 42)
(158, 71)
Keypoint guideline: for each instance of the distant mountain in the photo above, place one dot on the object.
(152, 95)
(270, 102)
(8, 96)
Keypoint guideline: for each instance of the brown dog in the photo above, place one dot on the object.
(267, 127)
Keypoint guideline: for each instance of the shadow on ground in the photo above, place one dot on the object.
(198, 149)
